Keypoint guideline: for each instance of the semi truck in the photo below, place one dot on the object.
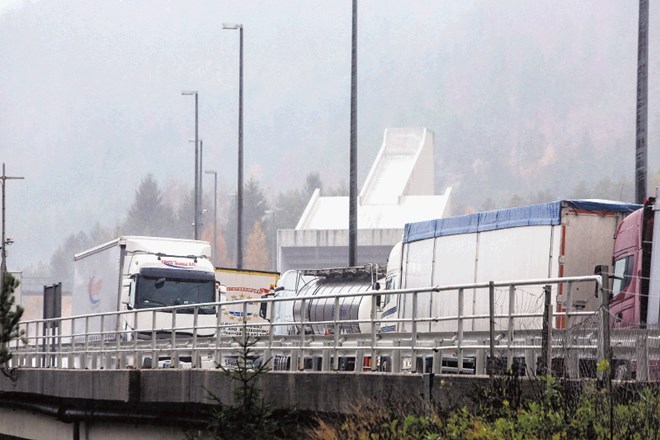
(550, 240)
(289, 317)
(134, 273)
(635, 300)
(240, 284)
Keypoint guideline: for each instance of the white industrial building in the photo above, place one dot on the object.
(398, 190)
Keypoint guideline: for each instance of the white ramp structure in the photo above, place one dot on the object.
(399, 189)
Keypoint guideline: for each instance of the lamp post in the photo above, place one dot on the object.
(352, 199)
(5, 241)
(196, 218)
(200, 191)
(215, 214)
(239, 222)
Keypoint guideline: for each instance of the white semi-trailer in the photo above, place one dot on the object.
(136, 273)
(549, 240)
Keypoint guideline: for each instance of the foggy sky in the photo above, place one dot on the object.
(513, 90)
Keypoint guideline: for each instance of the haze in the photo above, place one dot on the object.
(523, 98)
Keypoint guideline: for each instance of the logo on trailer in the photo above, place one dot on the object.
(94, 287)
(177, 263)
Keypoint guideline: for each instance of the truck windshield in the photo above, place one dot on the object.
(623, 271)
(171, 287)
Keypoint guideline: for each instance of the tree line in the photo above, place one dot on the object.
(155, 212)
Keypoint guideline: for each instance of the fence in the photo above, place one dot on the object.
(436, 329)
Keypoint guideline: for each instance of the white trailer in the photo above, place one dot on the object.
(135, 273)
(244, 285)
(556, 239)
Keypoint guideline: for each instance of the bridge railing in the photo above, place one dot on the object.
(528, 326)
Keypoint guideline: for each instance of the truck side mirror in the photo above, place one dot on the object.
(263, 307)
(602, 270)
(220, 290)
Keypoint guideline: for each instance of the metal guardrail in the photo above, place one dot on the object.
(422, 342)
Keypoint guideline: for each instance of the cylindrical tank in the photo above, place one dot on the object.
(323, 309)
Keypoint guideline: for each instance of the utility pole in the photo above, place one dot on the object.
(641, 153)
(197, 160)
(352, 199)
(239, 201)
(3, 264)
(199, 185)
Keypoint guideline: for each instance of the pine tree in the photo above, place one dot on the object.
(10, 316)
(185, 217)
(148, 214)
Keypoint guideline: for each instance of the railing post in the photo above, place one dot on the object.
(437, 357)
(244, 332)
(136, 361)
(530, 357)
(396, 357)
(510, 328)
(461, 311)
(491, 330)
(546, 341)
(301, 351)
(174, 355)
(359, 357)
(480, 366)
(325, 358)
(604, 350)
(118, 338)
(570, 354)
(269, 354)
(335, 317)
(193, 357)
(642, 353)
(374, 324)
(218, 337)
(413, 333)
(86, 346)
(102, 342)
(154, 353)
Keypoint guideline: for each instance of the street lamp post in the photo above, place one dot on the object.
(196, 218)
(239, 222)
(200, 191)
(5, 241)
(352, 197)
(215, 214)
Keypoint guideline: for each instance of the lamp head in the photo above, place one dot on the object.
(232, 26)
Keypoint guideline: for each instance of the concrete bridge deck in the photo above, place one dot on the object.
(99, 404)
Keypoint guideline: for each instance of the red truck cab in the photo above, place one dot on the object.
(631, 267)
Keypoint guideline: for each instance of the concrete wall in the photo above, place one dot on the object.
(313, 391)
(104, 404)
(33, 425)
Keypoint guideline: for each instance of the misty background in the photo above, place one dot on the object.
(529, 102)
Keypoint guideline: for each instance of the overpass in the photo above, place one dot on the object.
(75, 377)
(163, 403)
